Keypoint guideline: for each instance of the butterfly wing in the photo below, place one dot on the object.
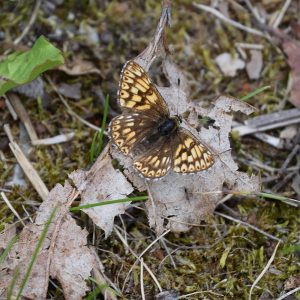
(127, 130)
(138, 94)
(189, 154)
(157, 161)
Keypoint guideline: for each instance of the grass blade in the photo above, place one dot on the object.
(255, 92)
(103, 125)
(36, 252)
(107, 202)
(8, 248)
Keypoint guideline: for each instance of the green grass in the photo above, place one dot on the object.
(8, 248)
(106, 202)
(255, 92)
(35, 253)
(97, 143)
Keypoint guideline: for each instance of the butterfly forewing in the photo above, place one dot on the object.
(138, 93)
(189, 154)
(129, 129)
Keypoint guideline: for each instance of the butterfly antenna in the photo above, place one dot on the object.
(178, 85)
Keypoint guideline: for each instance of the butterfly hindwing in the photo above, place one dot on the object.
(157, 161)
(189, 154)
(138, 93)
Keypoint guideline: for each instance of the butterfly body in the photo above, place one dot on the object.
(168, 126)
(147, 129)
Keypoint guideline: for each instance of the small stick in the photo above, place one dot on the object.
(248, 225)
(227, 20)
(10, 108)
(142, 279)
(281, 13)
(23, 115)
(135, 255)
(71, 111)
(58, 139)
(12, 208)
(26, 165)
(30, 23)
(289, 293)
(264, 270)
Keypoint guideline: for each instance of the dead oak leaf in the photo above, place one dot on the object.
(63, 255)
(185, 200)
(102, 182)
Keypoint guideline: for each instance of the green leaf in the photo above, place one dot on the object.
(22, 67)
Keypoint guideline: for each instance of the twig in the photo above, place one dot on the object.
(227, 20)
(23, 115)
(142, 279)
(255, 13)
(30, 23)
(27, 167)
(290, 157)
(264, 270)
(169, 253)
(289, 293)
(58, 139)
(10, 108)
(71, 111)
(141, 255)
(201, 292)
(248, 225)
(135, 255)
(281, 13)
(12, 208)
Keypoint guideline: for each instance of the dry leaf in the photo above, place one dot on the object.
(72, 91)
(7, 235)
(229, 65)
(291, 48)
(79, 67)
(254, 66)
(102, 182)
(64, 254)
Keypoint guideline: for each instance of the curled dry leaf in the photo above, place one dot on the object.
(79, 67)
(102, 182)
(254, 66)
(63, 255)
(229, 65)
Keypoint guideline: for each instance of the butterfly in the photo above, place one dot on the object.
(146, 124)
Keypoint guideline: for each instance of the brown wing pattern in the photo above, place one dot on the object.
(144, 109)
(157, 161)
(189, 154)
(137, 92)
(128, 129)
